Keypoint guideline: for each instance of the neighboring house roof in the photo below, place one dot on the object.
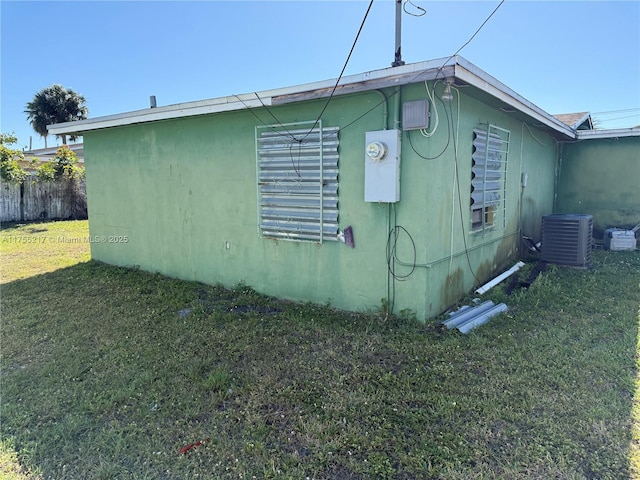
(49, 153)
(464, 73)
(577, 121)
(613, 133)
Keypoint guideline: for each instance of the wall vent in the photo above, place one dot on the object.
(567, 239)
(415, 115)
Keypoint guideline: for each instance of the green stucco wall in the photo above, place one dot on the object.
(601, 177)
(184, 189)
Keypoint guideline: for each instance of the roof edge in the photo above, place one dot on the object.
(471, 74)
(611, 133)
(242, 101)
(455, 66)
(576, 121)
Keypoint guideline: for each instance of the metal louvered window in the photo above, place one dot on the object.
(488, 177)
(297, 171)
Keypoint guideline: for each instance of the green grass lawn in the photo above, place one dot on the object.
(107, 373)
(34, 248)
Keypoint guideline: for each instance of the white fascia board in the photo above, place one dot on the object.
(469, 73)
(401, 75)
(235, 102)
(389, 72)
(612, 133)
(189, 109)
(463, 70)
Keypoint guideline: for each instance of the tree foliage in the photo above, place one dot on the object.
(55, 104)
(65, 163)
(10, 168)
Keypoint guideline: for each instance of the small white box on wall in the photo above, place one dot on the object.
(382, 166)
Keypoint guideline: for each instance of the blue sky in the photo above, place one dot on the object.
(563, 56)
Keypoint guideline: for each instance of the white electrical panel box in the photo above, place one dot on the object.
(382, 166)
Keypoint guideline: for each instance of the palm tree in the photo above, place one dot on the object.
(55, 104)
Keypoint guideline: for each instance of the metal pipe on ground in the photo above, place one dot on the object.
(465, 314)
(483, 318)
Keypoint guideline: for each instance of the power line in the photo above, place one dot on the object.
(315, 123)
(449, 132)
(357, 119)
(470, 38)
(437, 72)
(422, 10)
(618, 118)
(344, 67)
(251, 110)
(479, 28)
(457, 180)
(617, 111)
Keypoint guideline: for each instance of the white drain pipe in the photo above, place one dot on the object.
(487, 286)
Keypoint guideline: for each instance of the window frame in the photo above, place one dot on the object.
(297, 170)
(489, 165)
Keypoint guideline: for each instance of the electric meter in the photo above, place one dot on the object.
(382, 166)
(376, 151)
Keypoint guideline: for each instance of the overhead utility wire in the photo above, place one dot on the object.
(437, 72)
(264, 124)
(470, 38)
(390, 95)
(479, 28)
(450, 119)
(449, 133)
(301, 140)
(315, 123)
(457, 180)
(617, 118)
(422, 10)
(436, 76)
(617, 111)
(344, 67)
(290, 135)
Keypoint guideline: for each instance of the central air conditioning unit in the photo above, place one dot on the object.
(567, 239)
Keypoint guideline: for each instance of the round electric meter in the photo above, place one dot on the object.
(376, 151)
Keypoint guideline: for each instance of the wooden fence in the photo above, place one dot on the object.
(36, 200)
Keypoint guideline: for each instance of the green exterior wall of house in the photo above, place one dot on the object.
(183, 193)
(601, 177)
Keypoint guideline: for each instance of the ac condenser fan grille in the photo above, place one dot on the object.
(567, 239)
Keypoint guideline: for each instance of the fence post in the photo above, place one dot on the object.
(22, 201)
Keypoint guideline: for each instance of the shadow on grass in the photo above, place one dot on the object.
(108, 372)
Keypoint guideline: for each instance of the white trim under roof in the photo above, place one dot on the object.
(471, 74)
(456, 67)
(613, 133)
(49, 153)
